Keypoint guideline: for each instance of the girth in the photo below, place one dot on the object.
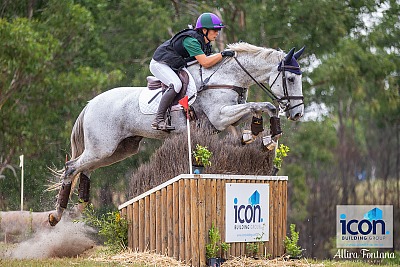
(241, 91)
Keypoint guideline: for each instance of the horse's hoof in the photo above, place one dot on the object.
(53, 220)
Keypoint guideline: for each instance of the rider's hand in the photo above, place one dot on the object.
(228, 53)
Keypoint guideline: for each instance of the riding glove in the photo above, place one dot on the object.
(228, 53)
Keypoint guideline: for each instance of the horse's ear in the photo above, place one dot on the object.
(299, 53)
(289, 56)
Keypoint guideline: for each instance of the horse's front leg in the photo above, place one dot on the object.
(229, 115)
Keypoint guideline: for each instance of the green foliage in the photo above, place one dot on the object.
(281, 153)
(202, 155)
(111, 226)
(214, 246)
(291, 244)
(254, 247)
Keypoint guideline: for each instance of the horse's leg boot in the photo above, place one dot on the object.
(63, 195)
(166, 100)
(275, 126)
(62, 202)
(84, 188)
(256, 125)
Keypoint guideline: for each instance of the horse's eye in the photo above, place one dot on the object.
(291, 79)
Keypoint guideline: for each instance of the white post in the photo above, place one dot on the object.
(21, 164)
(189, 145)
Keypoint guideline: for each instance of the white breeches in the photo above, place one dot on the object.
(165, 74)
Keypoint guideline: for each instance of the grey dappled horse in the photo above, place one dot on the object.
(111, 126)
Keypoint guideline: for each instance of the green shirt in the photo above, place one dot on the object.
(192, 46)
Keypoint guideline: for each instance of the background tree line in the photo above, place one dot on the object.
(57, 55)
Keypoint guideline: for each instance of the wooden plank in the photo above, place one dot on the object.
(284, 214)
(271, 218)
(279, 216)
(232, 250)
(182, 243)
(170, 221)
(163, 222)
(123, 212)
(194, 222)
(209, 206)
(141, 225)
(158, 222)
(202, 221)
(188, 250)
(147, 223)
(129, 217)
(175, 214)
(276, 221)
(135, 236)
(152, 222)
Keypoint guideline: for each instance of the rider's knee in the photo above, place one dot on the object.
(177, 85)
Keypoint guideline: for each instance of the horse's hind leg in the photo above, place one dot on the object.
(64, 193)
(83, 194)
(62, 201)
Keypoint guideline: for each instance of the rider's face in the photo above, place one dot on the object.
(212, 34)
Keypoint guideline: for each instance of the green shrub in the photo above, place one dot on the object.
(112, 227)
(214, 246)
(202, 155)
(291, 246)
(281, 153)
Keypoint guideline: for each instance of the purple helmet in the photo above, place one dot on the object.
(209, 21)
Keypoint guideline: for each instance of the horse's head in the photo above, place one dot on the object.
(285, 83)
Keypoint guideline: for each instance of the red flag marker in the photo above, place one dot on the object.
(184, 102)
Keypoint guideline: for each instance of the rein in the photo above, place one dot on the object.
(282, 68)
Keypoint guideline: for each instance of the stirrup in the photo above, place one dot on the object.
(162, 126)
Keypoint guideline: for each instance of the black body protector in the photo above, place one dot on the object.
(173, 53)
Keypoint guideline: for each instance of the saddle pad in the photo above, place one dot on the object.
(151, 108)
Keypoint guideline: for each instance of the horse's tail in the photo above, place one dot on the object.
(77, 147)
(77, 136)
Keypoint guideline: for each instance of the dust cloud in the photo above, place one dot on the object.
(66, 239)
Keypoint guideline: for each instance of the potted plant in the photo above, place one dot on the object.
(293, 250)
(201, 156)
(253, 248)
(281, 153)
(214, 247)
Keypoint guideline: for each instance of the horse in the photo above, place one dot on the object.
(111, 126)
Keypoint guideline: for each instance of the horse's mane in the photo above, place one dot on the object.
(259, 51)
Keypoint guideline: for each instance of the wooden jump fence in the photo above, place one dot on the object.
(174, 218)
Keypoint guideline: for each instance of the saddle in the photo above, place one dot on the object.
(153, 84)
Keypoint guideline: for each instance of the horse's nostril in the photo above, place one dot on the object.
(297, 116)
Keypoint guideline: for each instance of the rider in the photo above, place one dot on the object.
(174, 54)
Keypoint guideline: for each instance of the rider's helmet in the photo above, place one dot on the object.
(209, 21)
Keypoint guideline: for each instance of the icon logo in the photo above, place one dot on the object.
(249, 213)
(364, 226)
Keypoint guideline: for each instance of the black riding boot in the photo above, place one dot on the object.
(166, 100)
(275, 126)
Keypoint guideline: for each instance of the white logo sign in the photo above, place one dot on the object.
(364, 226)
(247, 212)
